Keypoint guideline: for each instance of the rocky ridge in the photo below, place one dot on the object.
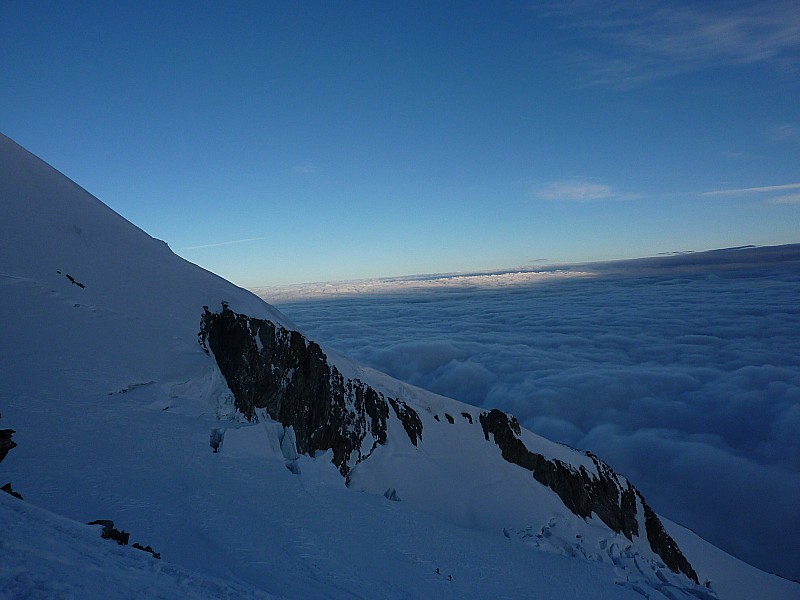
(584, 493)
(277, 370)
(273, 368)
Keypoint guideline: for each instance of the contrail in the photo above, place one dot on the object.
(224, 243)
(754, 190)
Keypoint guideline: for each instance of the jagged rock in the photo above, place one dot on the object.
(269, 367)
(6, 443)
(148, 548)
(73, 281)
(391, 494)
(216, 437)
(450, 419)
(663, 545)
(410, 419)
(111, 533)
(585, 493)
(8, 490)
(467, 416)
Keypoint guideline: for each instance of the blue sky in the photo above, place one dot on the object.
(303, 141)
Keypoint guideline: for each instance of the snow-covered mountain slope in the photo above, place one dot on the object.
(148, 391)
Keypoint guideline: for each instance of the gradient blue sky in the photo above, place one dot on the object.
(280, 142)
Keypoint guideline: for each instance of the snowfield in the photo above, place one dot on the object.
(117, 410)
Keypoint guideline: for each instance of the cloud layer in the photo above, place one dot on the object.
(682, 372)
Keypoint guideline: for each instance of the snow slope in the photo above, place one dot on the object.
(115, 405)
(47, 556)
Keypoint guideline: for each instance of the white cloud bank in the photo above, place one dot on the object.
(404, 285)
(683, 372)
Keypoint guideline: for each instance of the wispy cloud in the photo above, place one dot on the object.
(786, 199)
(768, 189)
(636, 42)
(305, 169)
(578, 190)
(228, 243)
(740, 155)
(785, 132)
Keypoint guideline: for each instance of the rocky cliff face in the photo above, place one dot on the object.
(272, 369)
(585, 493)
(269, 367)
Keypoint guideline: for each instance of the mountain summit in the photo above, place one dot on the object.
(144, 390)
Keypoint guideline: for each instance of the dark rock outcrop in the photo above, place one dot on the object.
(6, 443)
(279, 371)
(9, 490)
(109, 532)
(409, 418)
(663, 545)
(585, 493)
(148, 548)
(72, 280)
(215, 439)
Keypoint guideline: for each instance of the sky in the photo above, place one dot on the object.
(286, 142)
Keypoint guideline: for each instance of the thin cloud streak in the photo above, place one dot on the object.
(754, 190)
(578, 190)
(645, 41)
(785, 132)
(229, 243)
(305, 169)
(787, 199)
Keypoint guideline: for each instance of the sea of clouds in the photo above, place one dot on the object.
(682, 372)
